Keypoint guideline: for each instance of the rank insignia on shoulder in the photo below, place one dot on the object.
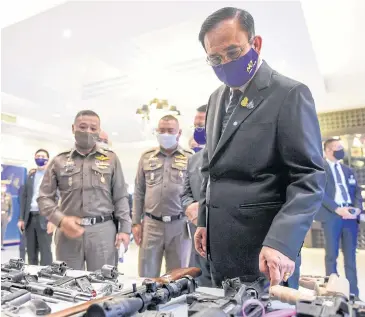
(181, 157)
(244, 102)
(102, 158)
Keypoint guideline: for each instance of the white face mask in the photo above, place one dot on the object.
(167, 141)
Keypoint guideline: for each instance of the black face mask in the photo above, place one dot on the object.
(339, 154)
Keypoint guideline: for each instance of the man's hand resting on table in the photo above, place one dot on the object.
(276, 266)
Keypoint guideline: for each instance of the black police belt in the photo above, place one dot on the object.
(164, 218)
(90, 221)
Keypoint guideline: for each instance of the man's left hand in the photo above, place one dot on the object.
(276, 266)
(122, 237)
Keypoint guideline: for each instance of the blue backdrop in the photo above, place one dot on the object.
(17, 177)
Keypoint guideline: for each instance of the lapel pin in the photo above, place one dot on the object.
(250, 105)
(244, 102)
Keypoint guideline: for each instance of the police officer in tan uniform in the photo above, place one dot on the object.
(6, 210)
(158, 187)
(93, 193)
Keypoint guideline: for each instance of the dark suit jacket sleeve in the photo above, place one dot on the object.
(187, 198)
(202, 221)
(329, 203)
(358, 197)
(23, 200)
(299, 145)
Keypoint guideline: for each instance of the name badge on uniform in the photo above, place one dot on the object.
(152, 176)
(70, 181)
(352, 180)
(181, 174)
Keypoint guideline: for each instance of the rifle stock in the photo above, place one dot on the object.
(166, 278)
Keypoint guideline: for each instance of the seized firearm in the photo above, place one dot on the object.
(165, 279)
(13, 265)
(79, 283)
(55, 271)
(237, 293)
(331, 298)
(108, 274)
(142, 301)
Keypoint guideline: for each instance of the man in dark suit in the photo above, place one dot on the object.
(191, 195)
(37, 230)
(263, 177)
(341, 207)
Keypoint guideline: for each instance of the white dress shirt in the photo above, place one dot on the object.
(338, 196)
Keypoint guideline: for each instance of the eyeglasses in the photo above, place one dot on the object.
(231, 55)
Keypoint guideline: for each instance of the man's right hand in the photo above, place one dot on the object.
(200, 241)
(137, 233)
(21, 225)
(344, 213)
(70, 226)
(192, 212)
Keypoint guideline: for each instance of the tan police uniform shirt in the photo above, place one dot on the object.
(160, 183)
(89, 186)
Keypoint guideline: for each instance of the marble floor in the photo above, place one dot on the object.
(312, 263)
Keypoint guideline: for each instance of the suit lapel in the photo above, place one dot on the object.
(251, 100)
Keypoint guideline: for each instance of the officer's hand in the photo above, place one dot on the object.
(70, 226)
(276, 266)
(357, 212)
(192, 212)
(344, 212)
(21, 225)
(50, 227)
(200, 241)
(122, 237)
(137, 233)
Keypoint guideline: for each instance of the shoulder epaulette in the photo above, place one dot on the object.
(150, 150)
(64, 152)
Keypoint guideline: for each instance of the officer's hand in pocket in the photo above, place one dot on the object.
(70, 226)
(137, 233)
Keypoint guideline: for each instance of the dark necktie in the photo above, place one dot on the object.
(339, 183)
(231, 106)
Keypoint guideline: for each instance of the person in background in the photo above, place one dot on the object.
(93, 193)
(6, 210)
(191, 195)
(263, 176)
(37, 229)
(339, 215)
(103, 140)
(157, 196)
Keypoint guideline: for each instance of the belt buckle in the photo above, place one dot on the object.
(166, 219)
(87, 221)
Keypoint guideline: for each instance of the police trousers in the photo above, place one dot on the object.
(96, 247)
(163, 239)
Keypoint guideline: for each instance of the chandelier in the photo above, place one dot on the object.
(151, 113)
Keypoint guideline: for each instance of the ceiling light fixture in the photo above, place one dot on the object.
(157, 108)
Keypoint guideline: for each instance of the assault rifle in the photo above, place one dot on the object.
(236, 294)
(174, 275)
(142, 301)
